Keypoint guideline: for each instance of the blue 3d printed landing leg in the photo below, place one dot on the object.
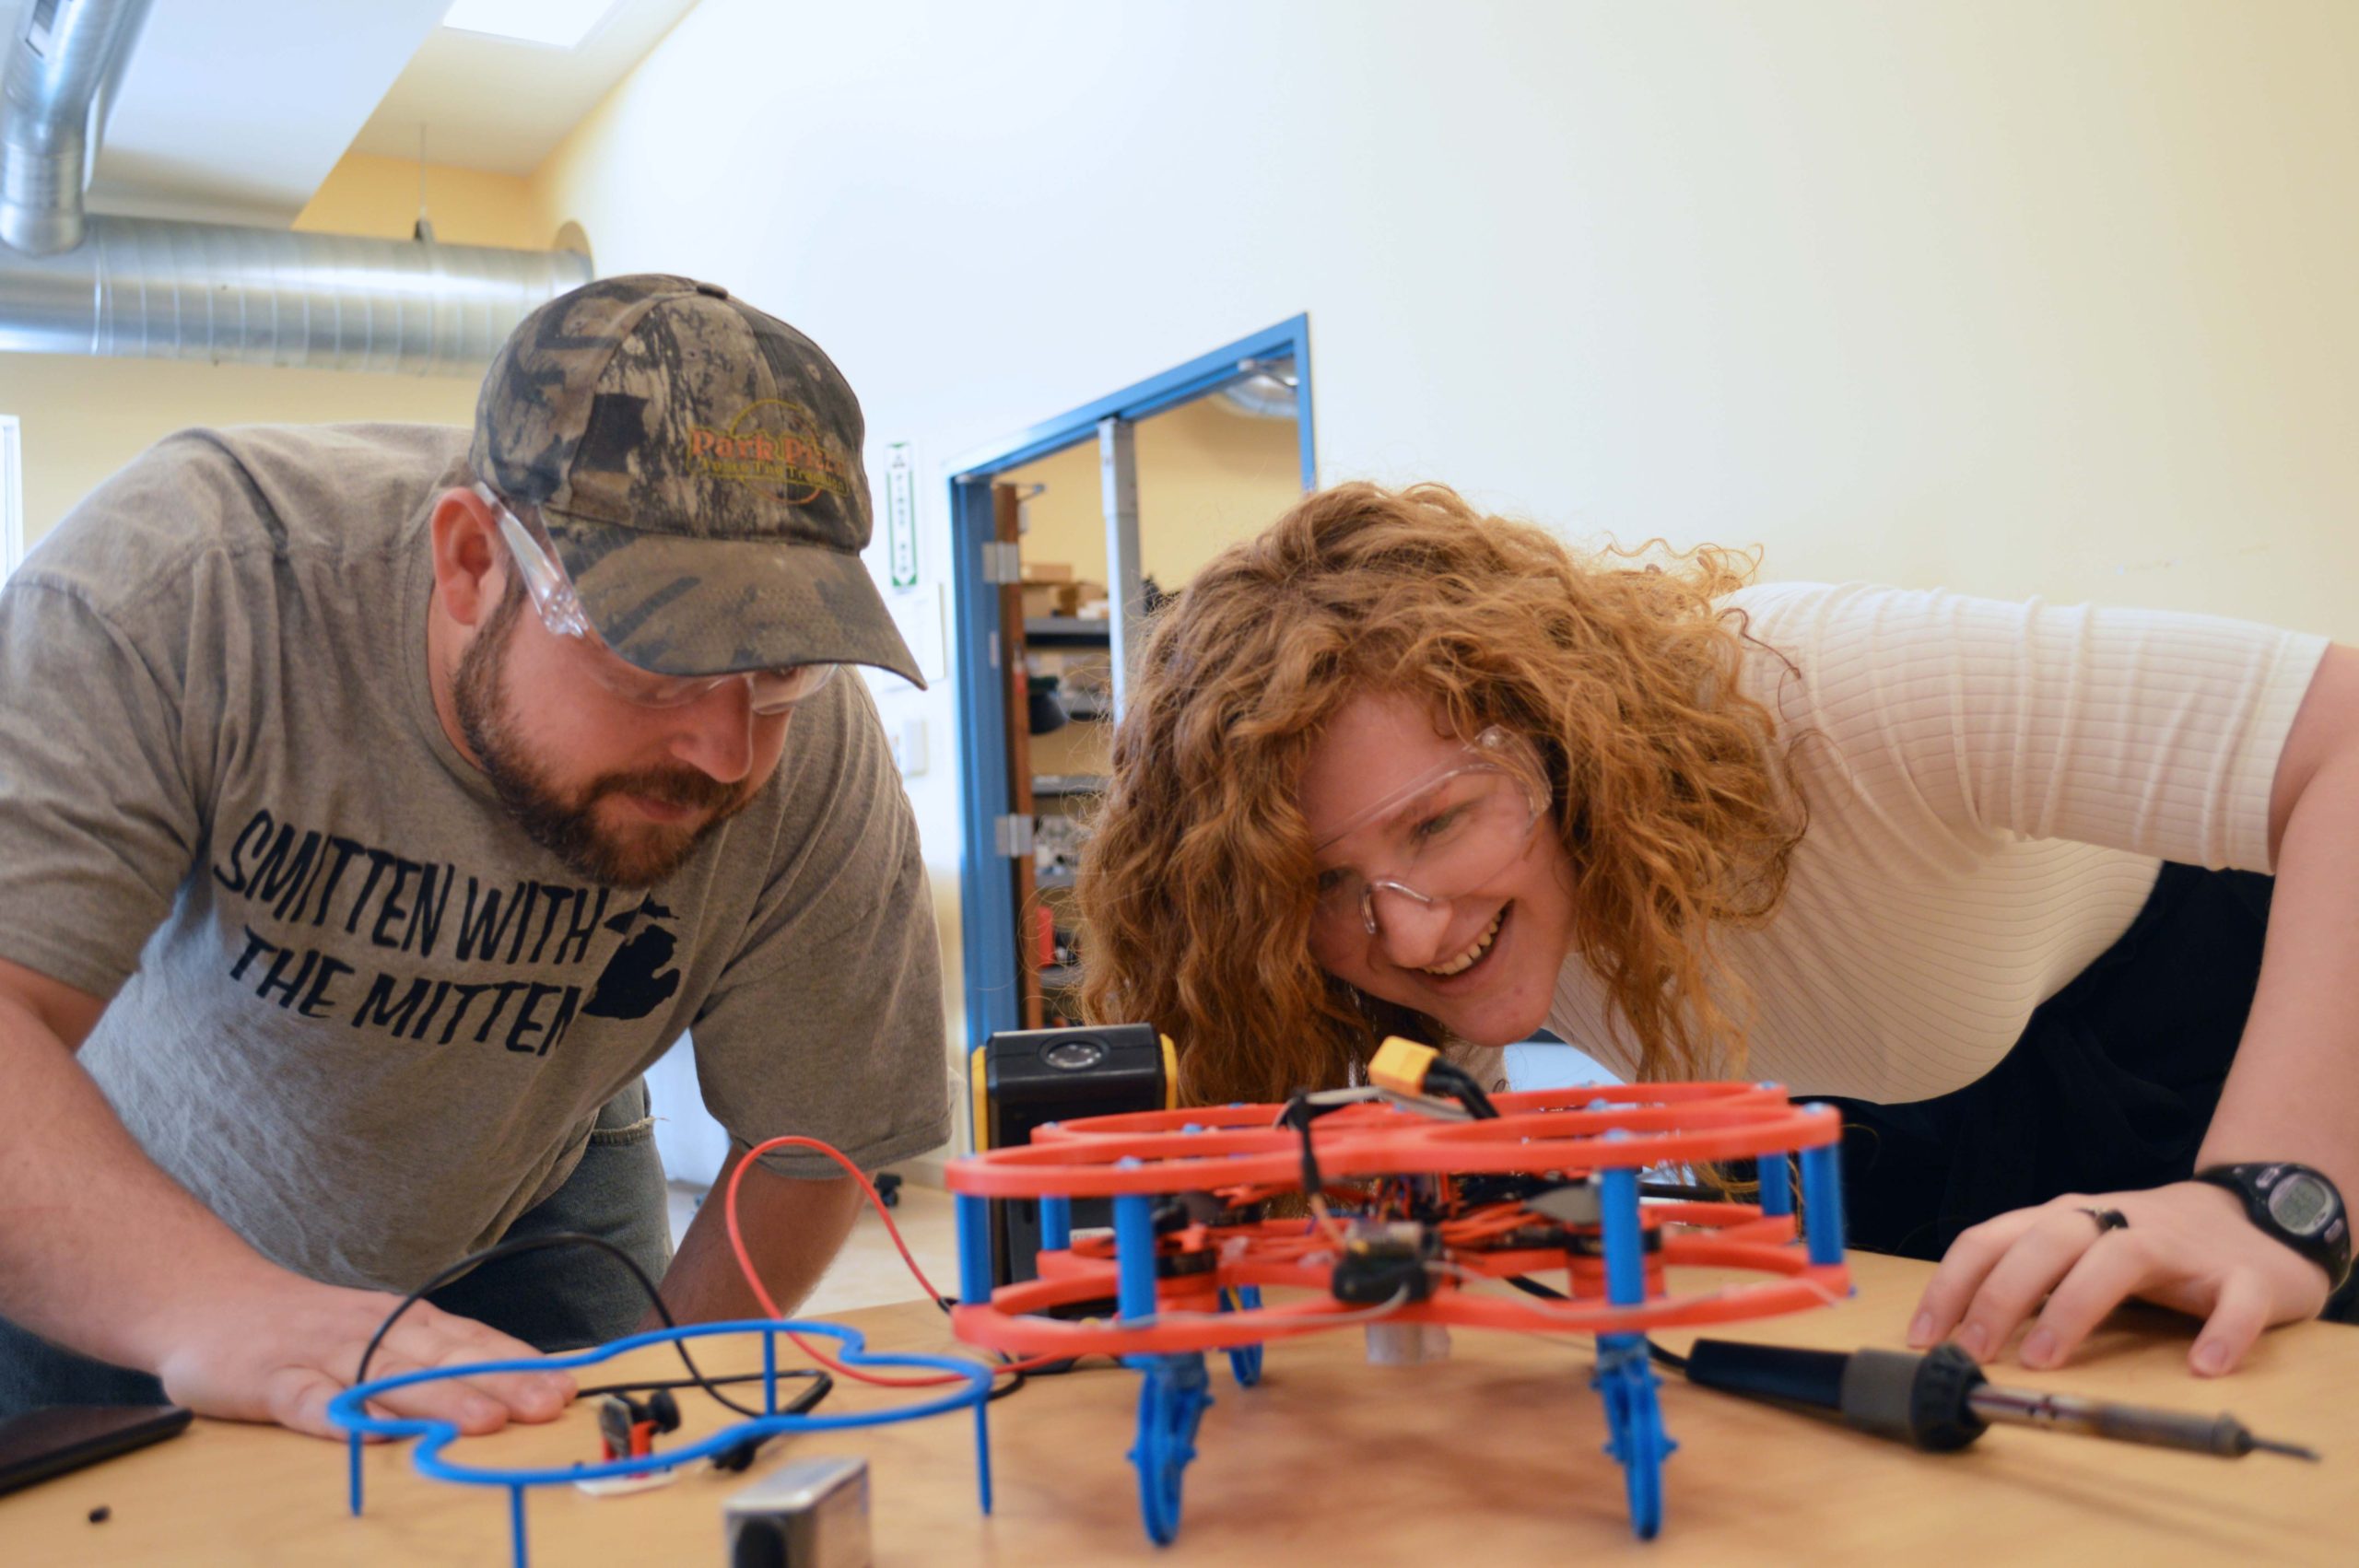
(1172, 1402)
(1176, 1389)
(1622, 1379)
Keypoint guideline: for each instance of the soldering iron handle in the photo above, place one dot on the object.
(1920, 1400)
(1769, 1372)
(1923, 1401)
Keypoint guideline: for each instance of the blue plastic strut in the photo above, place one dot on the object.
(350, 1410)
(1172, 1400)
(1245, 1360)
(974, 1248)
(1823, 1203)
(1622, 1379)
(1134, 1252)
(1777, 1183)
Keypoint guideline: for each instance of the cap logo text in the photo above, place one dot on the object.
(775, 446)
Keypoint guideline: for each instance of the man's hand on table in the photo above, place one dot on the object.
(2188, 1247)
(280, 1350)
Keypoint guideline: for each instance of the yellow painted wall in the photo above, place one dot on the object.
(376, 197)
(1064, 513)
(85, 416)
(1207, 476)
(2012, 296)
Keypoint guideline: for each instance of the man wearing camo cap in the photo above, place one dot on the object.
(376, 803)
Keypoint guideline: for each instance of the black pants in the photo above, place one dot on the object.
(2110, 1087)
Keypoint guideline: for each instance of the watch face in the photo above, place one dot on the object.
(2300, 1203)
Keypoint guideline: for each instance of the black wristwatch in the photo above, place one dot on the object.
(2299, 1206)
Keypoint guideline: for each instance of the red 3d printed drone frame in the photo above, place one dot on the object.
(1429, 1209)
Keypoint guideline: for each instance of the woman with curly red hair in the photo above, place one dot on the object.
(1994, 877)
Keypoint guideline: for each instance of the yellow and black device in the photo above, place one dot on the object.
(1024, 1079)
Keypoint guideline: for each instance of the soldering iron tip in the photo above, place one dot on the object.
(2294, 1449)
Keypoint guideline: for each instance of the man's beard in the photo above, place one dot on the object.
(564, 823)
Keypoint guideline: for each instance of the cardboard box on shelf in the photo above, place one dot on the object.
(1060, 598)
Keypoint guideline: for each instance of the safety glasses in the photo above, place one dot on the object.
(770, 692)
(1439, 836)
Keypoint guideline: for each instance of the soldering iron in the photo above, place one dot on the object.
(1942, 1401)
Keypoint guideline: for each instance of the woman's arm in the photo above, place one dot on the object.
(2293, 1094)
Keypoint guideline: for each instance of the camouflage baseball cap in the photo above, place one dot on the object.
(698, 465)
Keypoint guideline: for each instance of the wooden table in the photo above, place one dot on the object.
(1492, 1456)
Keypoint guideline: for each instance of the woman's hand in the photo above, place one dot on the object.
(2187, 1246)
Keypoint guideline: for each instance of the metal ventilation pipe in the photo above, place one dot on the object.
(57, 59)
(1267, 394)
(139, 286)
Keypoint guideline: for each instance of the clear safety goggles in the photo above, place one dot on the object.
(1440, 836)
(770, 692)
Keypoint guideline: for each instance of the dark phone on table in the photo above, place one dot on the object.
(52, 1441)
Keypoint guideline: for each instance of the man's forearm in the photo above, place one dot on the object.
(94, 1236)
(794, 1229)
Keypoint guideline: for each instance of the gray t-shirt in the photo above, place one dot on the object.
(356, 1009)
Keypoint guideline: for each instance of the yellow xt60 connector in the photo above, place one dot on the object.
(1400, 1065)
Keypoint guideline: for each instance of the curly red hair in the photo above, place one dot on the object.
(1197, 884)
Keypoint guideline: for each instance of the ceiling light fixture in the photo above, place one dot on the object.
(556, 24)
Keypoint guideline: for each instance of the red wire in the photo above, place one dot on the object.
(762, 1294)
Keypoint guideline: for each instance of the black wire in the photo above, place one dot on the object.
(1460, 1085)
(1533, 1287)
(1056, 1369)
(537, 1244)
(653, 1385)
(1017, 1378)
(737, 1456)
(1685, 1192)
(696, 1378)
(1299, 1113)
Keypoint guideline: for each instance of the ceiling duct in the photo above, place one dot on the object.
(72, 284)
(261, 297)
(1266, 392)
(62, 51)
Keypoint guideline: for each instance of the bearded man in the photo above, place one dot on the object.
(376, 803)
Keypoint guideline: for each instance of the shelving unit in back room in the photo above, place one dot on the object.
(1059, 742)
(1064, 548)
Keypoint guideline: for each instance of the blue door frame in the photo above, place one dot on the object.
(987, 884)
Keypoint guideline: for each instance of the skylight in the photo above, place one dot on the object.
(560, 24)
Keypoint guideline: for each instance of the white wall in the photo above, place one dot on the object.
(2039, 297)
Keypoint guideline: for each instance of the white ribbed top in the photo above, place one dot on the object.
(1994, 794)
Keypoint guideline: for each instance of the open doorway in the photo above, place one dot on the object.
(1067, 537)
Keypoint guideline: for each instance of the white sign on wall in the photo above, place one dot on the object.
(901, 515)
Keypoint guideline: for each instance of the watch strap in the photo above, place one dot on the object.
(2254, 1183)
